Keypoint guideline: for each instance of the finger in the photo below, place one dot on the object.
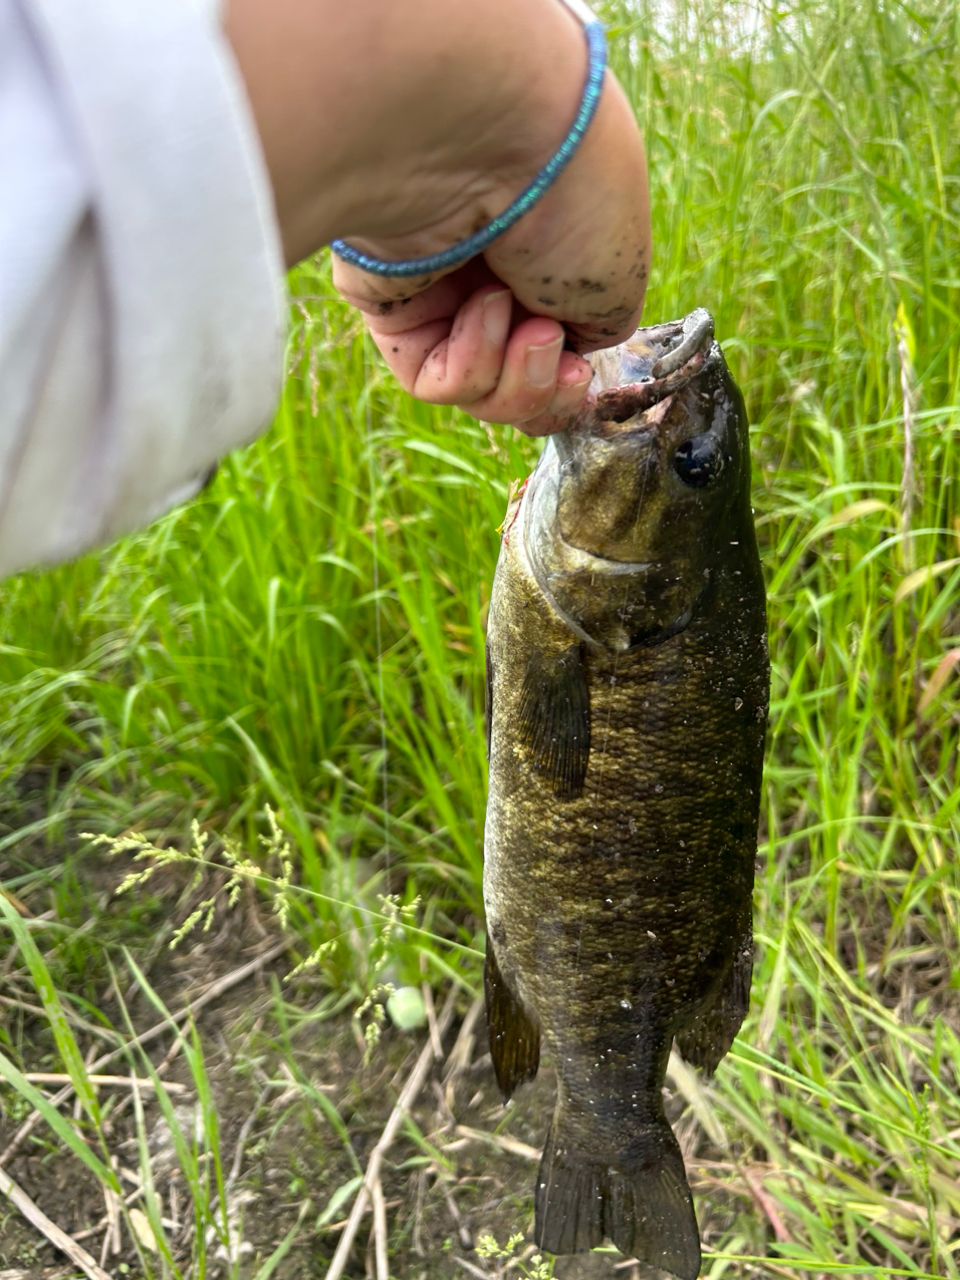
(537, 378)
(567, 402)
(489, 369)
(493, 364)
(456, 363)
(392, 306)
(407, 354)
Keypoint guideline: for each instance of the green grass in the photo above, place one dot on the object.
(308, 634)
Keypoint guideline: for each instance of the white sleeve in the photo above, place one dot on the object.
(142, 310)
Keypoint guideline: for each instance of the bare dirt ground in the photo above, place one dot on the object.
(282, 1083)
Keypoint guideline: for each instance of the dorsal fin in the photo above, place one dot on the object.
(706, 1039)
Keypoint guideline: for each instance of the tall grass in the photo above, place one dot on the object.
(309, 633)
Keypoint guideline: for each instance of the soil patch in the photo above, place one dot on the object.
(285, 1105)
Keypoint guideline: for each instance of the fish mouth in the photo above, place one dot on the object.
(655, 364)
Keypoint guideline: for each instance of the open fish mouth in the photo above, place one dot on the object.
(655, 364)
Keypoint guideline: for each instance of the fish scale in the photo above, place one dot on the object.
(628, 682)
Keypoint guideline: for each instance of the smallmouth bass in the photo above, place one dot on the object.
(627, 694)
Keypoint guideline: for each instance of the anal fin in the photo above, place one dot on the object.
(514, 1037)
(705, 1041)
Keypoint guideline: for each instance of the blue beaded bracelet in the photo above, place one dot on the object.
(458, 254)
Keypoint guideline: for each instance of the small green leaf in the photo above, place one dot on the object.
(284, 1247)
(61, 1127)
(920, 577)
(849, 515)
(338, 1199)
(66, 1043)
(906, 328)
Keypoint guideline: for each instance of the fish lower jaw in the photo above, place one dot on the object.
(631, 409)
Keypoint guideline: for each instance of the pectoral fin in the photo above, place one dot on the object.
(554, 719)
(514, 1037)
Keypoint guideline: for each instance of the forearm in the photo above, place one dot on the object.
(142, 316)
(142, 306)
(404, 128)
(379, 119)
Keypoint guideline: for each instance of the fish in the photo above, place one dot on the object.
(627, 700)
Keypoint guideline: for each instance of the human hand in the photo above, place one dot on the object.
(490, 337)
(427, 154)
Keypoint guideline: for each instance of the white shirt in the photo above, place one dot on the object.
(142, 311)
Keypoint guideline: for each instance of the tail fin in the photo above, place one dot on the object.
(640, 1200)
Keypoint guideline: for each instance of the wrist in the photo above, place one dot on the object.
(404, 127)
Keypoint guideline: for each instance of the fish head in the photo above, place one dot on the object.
(629, 507)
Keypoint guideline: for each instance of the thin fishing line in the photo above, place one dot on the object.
(378, 608)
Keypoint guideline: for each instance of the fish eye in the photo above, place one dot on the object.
(698, 461)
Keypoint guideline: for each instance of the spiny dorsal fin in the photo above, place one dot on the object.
(554, 719)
